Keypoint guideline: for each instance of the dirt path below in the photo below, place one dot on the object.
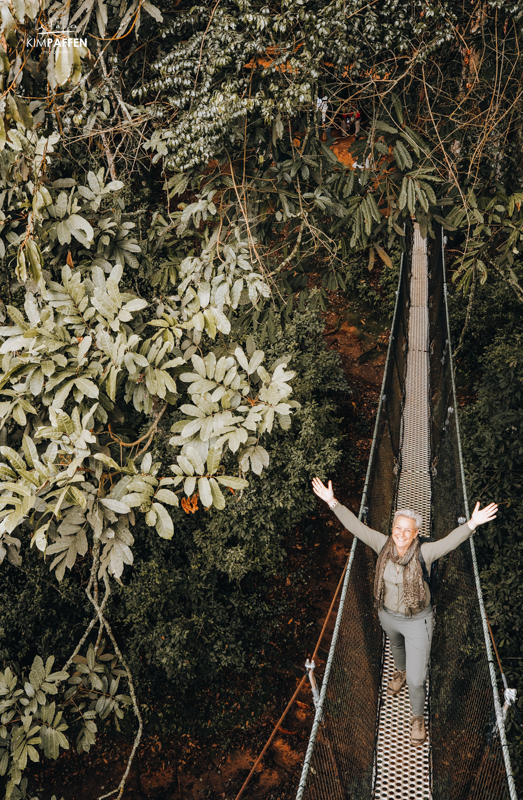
(187, 769)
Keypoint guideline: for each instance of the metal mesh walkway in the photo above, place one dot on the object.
(414, 490)
(402, 771)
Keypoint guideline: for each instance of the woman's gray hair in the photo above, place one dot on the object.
(407, 512)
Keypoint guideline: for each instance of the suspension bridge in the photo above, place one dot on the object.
(359, 747)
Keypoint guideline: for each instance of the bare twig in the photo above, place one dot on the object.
(109, 155)
(105, 624)
(469, 309)
(93, 580)
(115, 90)
(142, 438)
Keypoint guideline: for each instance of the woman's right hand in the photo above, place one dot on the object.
(323, 492)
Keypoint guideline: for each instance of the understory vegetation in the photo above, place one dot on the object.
(490, 366)
(194, 607)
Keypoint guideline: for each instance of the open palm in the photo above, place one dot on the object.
(487, 514)
(323, 492)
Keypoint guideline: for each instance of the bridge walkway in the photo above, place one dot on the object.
(402, 771)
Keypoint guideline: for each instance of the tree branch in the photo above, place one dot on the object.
(142, 438)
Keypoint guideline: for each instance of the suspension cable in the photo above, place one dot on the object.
(319, 709)
(497, 704)
(298, 689)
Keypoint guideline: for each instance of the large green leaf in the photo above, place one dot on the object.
(232, 482)
(213, 460)
(81, 229)
(115, 505)
(164, 523)
(167, 496)
(63, 63)
(217, 497)
(87, 387)
(204, 490)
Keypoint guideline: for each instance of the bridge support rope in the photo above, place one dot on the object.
(318, 717)
(490, 655)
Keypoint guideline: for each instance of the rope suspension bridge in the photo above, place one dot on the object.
(359, 747)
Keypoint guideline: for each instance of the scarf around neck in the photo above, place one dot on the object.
(413, 585)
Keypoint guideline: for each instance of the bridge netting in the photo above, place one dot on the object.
(468, 753)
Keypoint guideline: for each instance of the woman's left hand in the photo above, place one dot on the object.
(323, 492)
(480, 516)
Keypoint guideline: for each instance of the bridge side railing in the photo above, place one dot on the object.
(470, 758)
(339, 762)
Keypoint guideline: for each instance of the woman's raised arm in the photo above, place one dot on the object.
(433, 550)
(374, 539)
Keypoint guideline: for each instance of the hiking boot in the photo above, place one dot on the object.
(398, 679)
(418, 733)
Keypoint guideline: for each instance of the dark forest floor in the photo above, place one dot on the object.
(183, 768)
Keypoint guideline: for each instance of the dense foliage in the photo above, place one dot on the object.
(493, 358)
(195, 606)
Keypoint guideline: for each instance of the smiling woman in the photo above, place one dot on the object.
(405, 528)
(402, 596)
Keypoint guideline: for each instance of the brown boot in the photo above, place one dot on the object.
(418, 733)
(398, 679)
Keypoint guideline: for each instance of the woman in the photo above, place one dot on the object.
(401, 595)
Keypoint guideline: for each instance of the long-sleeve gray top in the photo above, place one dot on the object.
(393, 575)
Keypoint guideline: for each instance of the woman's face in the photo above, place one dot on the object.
(404, 532)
